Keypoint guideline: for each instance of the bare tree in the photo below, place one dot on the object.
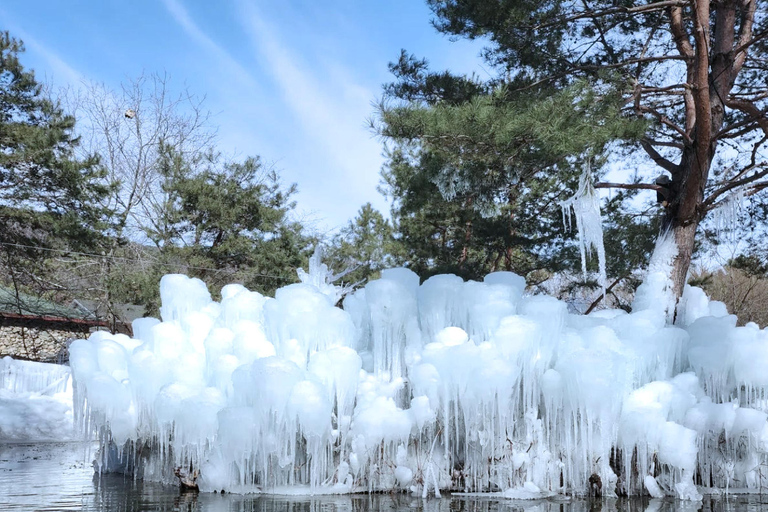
(127, 127)
(744, 293)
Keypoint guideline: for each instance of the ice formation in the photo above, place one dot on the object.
(656, 291)
(445, 385)
(35, 401)
(726, 214)
(585, 205)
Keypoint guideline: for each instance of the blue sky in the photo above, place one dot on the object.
(292, 81)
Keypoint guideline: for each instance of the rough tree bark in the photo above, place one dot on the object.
(713, 62)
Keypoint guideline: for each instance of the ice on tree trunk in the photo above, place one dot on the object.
(656, 292)
(444, 385)
(323, 279)
(585, 207)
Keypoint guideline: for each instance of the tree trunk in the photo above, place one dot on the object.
(684, 212)
(684, 239)
(711, 74)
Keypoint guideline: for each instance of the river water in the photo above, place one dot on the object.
(58, 477)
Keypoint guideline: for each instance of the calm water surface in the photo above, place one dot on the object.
(56, 477)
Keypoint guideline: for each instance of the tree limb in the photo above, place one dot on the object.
(750, 109)
(630, 62)
(745, 39)
(709, 203)
(742, 127)
(629, 186)
(683, 43)
(679, 34)
(657, 158)
(614, 10)
(752, 190)
(666, 121)
(601, 296)
(665, 143)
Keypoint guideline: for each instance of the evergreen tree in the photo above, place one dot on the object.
(364, 247)
(48, 198)
(478, 170)
(229, 222)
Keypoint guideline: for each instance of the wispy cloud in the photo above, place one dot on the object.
(61, 70)
(331, 108)
(182, 17)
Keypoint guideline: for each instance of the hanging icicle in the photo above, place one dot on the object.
(726, 215)
(585, 205)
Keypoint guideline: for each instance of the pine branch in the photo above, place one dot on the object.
(658, 6)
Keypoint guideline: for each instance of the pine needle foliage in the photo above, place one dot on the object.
(49, 199)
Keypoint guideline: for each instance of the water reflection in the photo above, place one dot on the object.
(121, 501)
(56, 478)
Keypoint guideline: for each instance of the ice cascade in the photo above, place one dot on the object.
(585, 205)
(444, 385)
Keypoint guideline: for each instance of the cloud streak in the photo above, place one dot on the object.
(185, 21)
(60, 68)
(331, 108)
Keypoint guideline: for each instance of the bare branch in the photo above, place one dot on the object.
(683, 43)
(750, 109)
(630, 62)
(665, 143)
(629, 186)
(667, 89)
(599, 27)
(753, 189)
(681, 37)
(745, 39)
(658, 6)
(741, 127)
(756, 187)
(758, 37)
(709, 203)
(600, 297)
(666, 121)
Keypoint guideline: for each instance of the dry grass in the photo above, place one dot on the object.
(745, 294)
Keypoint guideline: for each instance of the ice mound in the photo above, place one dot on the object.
(447, 385)
(35, 401)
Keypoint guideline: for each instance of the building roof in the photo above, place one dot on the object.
(30, 305)
(23, 306)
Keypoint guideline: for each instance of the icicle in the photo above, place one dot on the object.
(726, 215)
(585, 205)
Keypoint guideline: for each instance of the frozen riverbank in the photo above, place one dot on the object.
(35, 402)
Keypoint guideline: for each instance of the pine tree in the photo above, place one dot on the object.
(227, 221)
(364, 247)
(49, 200)
(695, 69)
(478, 169)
